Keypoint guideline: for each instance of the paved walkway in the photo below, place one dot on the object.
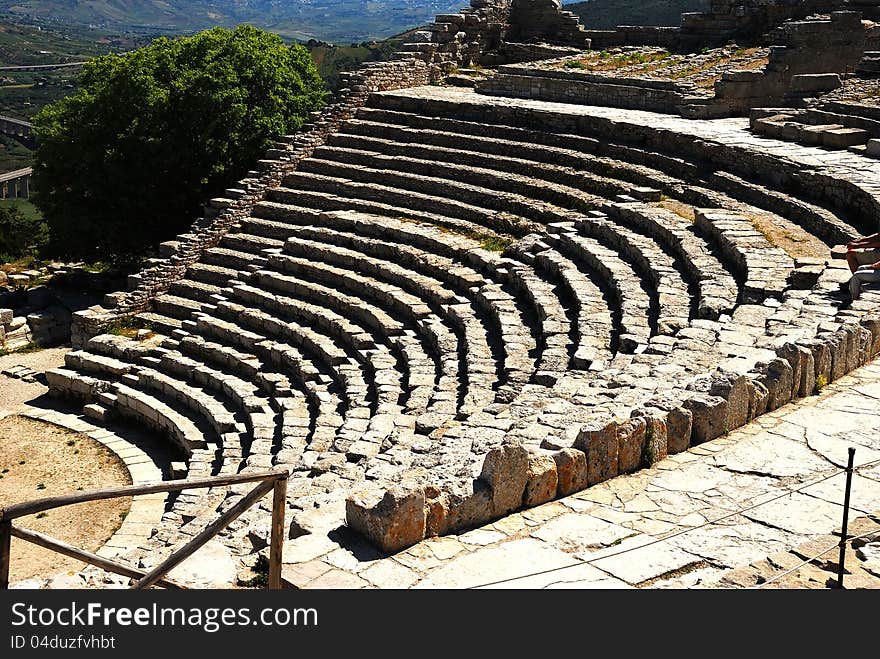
(651, 529)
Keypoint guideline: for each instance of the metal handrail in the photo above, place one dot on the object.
(274, 480)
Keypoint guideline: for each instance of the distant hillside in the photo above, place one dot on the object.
(606, 14)
(338, 21)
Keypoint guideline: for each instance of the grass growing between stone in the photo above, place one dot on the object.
(128, 327)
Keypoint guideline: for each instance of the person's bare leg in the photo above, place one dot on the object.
(852, 261)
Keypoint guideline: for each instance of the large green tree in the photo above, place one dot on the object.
(128, 160)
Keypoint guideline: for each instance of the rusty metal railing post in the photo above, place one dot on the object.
(276, 543)
(843, 527)
(5, 544)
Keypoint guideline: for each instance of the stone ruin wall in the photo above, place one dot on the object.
(747, 20)
(833, 45)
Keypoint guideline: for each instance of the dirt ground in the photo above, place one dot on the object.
(38, 460)
(15, 393)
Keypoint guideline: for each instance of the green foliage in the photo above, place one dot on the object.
(127, 161)
(21, 234)
(127, 326)
(574, 64)
(495, 243)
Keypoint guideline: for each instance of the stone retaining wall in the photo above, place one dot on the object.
(813, 46)
(583, 88)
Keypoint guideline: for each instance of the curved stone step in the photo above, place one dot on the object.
(194, 290)
(594, 319)
(323, 403)
(385, 380)
(718, 290)
(419, 290)
(466, 186)
(421, 196)
(302, 206)
(608, 160)
(764, 267)
(618, 277)
(211, 274)
(435, 279)
(671, 299)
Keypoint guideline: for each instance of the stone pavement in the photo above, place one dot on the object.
(584, 534)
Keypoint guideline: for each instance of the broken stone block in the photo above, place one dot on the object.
(598, 440)
(436, 511)
(571, 471)
(709, 417)
(873, 325)
(758, 396)
(777, 379)
(790, 353)
(821, 360)
(630, 444)
(392, 519)
(542, 480)
(505, 471)
(807, 383)
(656, 436)
(836, 343)
(468, 505)
(732, 388)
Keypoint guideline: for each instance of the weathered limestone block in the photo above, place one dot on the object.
(392, 519)
(733, 388)
(821, 359)
(853, 346)
(467, 505)
(571, 471)
(790, 353)
(436, 511)
(837, 345)
(542, 479)
(505, 471)
(598, 440)
(807, 383)
(709, 417)
(630, 444)
(777, 377)
(656, 435)
(679, 422)
(865, 342)
(872, 324)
